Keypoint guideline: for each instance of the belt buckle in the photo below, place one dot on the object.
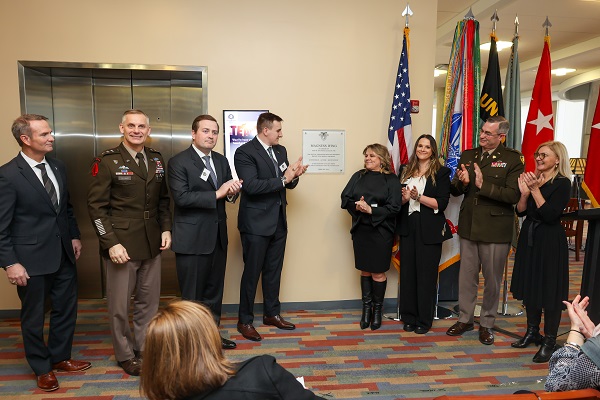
(146, 214)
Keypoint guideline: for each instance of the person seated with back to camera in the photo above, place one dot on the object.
(183, 359)
(576, 365)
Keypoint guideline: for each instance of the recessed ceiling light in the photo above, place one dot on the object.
(500, 45)
(562, 71)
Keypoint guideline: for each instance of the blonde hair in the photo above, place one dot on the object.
(563, 168)
(383, 154)
(182, 353)
(413, 164)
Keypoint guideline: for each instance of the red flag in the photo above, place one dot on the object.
(591, 178)
(540, 122)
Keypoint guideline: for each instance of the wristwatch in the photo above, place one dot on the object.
(283, 179)
(418, 197)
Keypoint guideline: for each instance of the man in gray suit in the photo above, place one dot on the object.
(263, 166)
(39, 243)
(200, 181)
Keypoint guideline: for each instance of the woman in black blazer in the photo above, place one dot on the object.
(422, 229)
(183, 359)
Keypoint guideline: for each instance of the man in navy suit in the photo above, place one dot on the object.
(200, 181)
(39, 243)
(263, 166)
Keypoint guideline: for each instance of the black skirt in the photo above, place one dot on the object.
(372, 248)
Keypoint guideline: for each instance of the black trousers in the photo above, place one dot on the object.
(202, 277)
(418, 275)
(262, 255)
(61, 288)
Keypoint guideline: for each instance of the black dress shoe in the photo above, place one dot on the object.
(279, 322)
(459, 328)
(227, 344)
(421, 330)
(409, 327)
(133, 366)
(248, 331)
(486, 335)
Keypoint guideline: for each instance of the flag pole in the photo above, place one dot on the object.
(407, 13)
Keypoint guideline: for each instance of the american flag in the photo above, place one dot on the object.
(399, 134)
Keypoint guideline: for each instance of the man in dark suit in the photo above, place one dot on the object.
(263, 166)
(488, 178)
(128, 203)
(39, 244)
(200, 181)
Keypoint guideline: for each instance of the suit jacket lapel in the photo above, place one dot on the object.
(62, 191)
(130, 162)
(33, 180)
(199, 163)
(265, 156)
(151, 166)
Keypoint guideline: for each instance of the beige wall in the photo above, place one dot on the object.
(317, 63)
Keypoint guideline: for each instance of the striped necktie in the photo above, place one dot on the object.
(49, 186)
(270, 151)
(210, 169)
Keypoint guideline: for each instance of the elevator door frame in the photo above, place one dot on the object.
(46, 86)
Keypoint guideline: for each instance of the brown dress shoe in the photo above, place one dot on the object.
(47, 382)
(459, 328)
(133, 366)
(71, 366)
(486, 335)
(248, 331)
(279, 322)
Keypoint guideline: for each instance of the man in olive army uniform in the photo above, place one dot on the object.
(128, 203)
(487, 176)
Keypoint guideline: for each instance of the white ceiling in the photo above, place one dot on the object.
(574, 36)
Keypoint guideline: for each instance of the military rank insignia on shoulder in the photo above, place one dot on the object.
(153, 150)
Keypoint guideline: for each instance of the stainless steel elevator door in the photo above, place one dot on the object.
(85, 107)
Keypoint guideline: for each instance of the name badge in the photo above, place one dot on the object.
(205, 175)
(283, 167)
(374, 205)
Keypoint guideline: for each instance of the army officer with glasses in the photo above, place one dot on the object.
(488, 177)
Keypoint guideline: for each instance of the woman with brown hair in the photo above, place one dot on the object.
(541, 273)
(422, 229)
(372, 197)
(183, 359)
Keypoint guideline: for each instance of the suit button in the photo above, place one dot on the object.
(58, 235)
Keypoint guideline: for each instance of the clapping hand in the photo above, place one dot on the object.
(362, 206)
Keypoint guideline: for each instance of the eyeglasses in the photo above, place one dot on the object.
(541, 156)
(485, 133)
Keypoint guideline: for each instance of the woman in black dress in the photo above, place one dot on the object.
(541, 273)
(422, 227)
(373, 198)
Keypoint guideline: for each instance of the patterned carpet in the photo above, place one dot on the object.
(336, 358)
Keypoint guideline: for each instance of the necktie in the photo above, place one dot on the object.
(49, 186)
(485, 156)
(270, 151)
(142, 165)
(213, 176)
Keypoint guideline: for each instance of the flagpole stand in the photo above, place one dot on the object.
(439, 311)
(395, 317)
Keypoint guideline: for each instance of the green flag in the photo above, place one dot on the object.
(512, 97)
